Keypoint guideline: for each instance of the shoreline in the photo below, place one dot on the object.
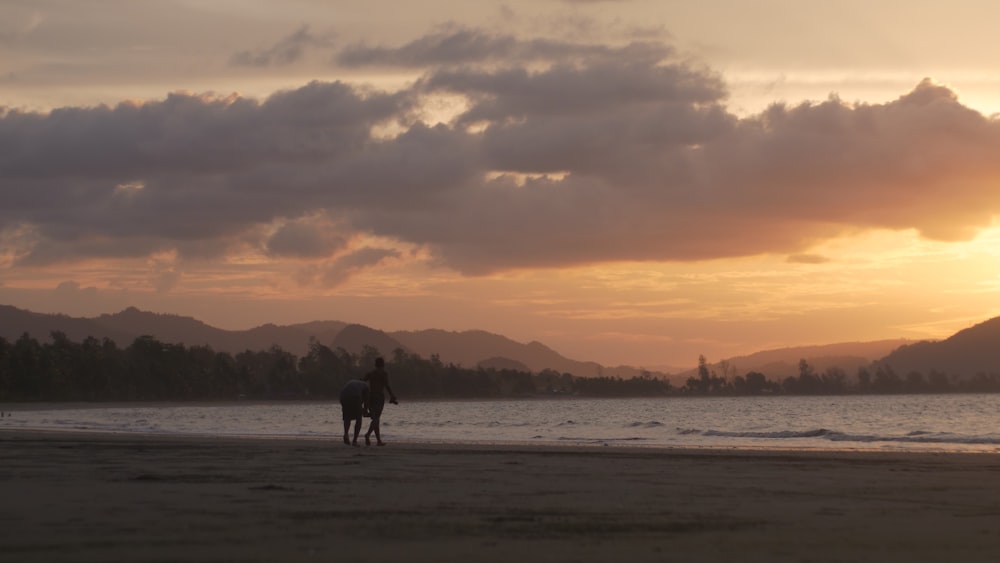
(334, 439)
(116, 497)
(927, 425)
(584, 445)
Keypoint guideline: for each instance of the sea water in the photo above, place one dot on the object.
(963, 422)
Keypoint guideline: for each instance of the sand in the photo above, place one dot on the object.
(90, 497)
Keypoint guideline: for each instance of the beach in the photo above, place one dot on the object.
(125, 497)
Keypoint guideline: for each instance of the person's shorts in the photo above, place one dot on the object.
(352, 408)
(375, 405)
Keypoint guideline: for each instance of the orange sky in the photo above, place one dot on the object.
(624, 181)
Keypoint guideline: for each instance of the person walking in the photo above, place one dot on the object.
(354, 399)
(378, 381)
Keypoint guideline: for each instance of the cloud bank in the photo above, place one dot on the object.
(559, 154)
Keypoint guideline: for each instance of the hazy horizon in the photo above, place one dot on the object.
(628, 182)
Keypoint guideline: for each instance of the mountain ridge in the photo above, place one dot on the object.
(969, 352)
(780, 363)
(468, 348)
(971, 349)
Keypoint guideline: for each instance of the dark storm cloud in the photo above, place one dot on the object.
(597, 154)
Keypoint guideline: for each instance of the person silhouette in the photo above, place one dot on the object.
(354, 404)
(378, 380)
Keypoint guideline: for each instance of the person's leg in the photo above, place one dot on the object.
(371, 428)
(351, 411)
(357, 429)
(375, 406)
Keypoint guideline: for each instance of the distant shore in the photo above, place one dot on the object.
(122, 497)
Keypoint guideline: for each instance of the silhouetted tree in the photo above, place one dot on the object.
(937, 382)
(833, 380)
(886, 380)
(864, 379)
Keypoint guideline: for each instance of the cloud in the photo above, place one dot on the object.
(72, 288)
(456, 45)
(201, 170)
(337, 271)
(305, 238)
(165, 280)
(18, 22)
(807, 259)
(560, 154)
(286, 51)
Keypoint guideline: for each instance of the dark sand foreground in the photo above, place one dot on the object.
(83, 497)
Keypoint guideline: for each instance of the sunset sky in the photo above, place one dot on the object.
(629, 182)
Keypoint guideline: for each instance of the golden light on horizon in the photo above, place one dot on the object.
(647, 172)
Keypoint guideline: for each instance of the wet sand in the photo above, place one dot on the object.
(90, 497)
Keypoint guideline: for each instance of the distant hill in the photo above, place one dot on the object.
(784, 362)
(355, 337)
(192, 332)
(966, 353)
(468, 348)
(124, 327)
(15, 322)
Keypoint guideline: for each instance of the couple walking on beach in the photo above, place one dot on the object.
(366, 397)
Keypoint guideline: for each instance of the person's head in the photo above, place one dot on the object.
(379, 362)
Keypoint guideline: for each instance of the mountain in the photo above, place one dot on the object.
(469, 348)
(966, 353)
(192, 332)
(15, 322)
(355, 337)
(124, 327)
(780, 363)
(472, 347)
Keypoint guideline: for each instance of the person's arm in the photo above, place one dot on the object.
(392, 396)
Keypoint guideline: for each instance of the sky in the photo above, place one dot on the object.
(628, 182)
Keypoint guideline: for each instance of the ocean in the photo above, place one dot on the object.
(939, 423)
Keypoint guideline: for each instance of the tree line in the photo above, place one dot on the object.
(150, 370)
(877, 378)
